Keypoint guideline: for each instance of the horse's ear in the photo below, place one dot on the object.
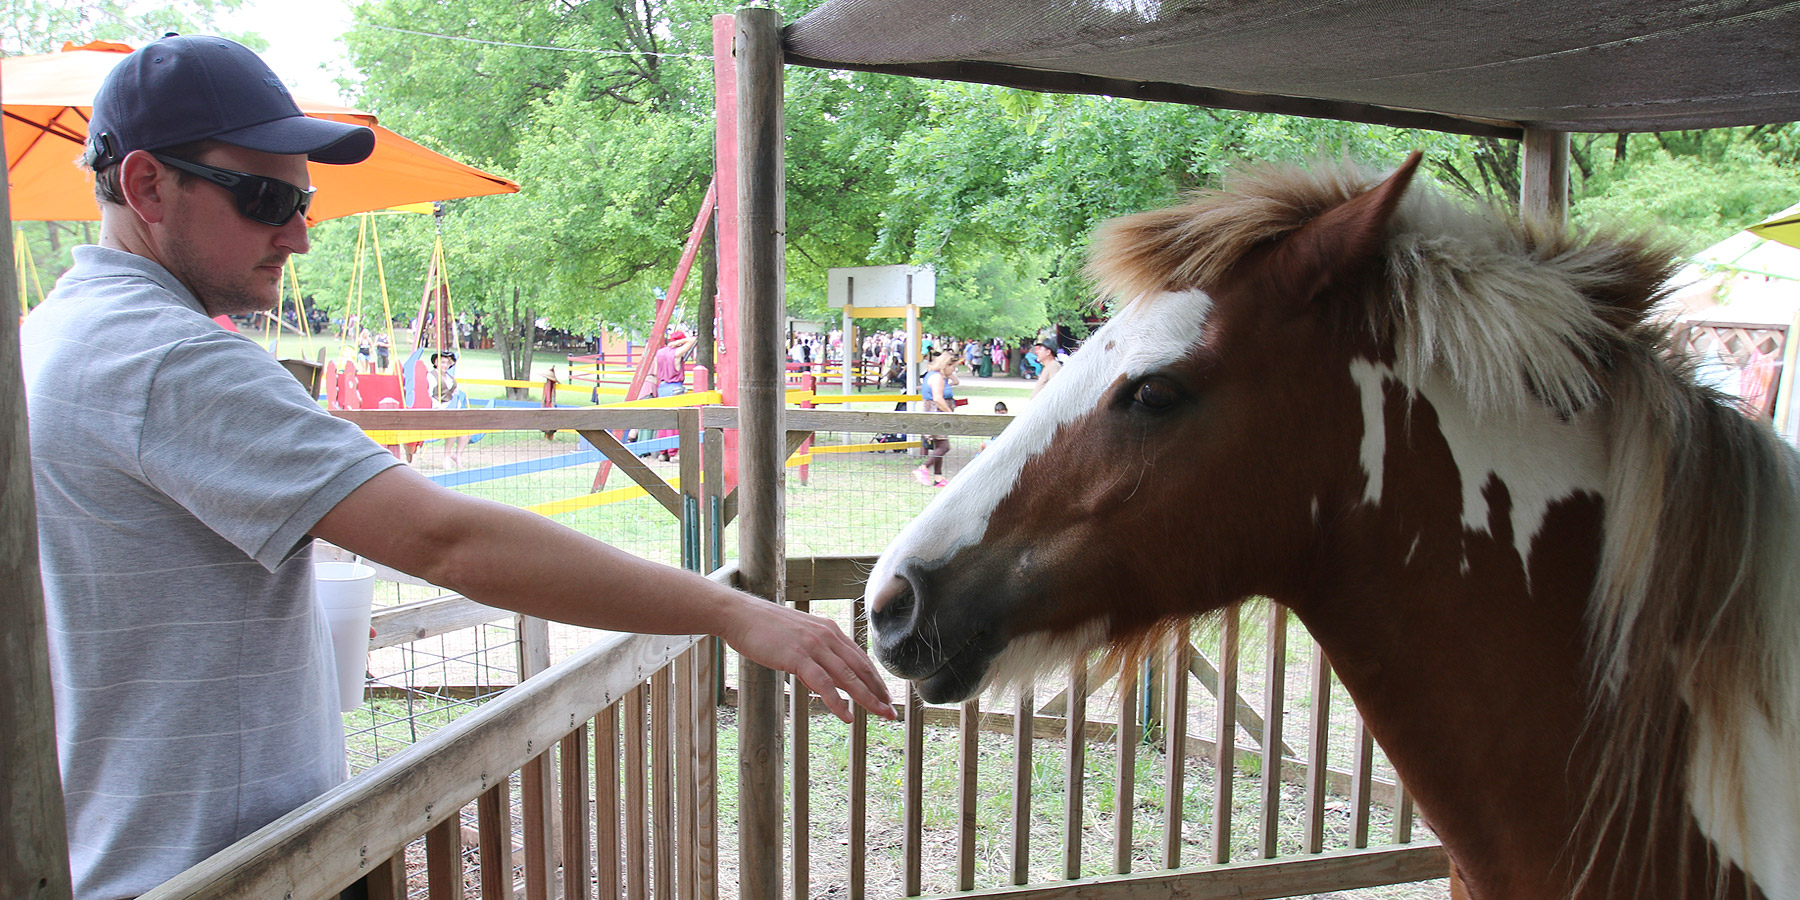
(1340, 240)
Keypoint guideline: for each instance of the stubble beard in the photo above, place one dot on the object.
(219, 294)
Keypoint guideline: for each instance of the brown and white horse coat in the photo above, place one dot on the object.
(1558, 578)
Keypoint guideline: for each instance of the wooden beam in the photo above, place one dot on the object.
(814, 420)
(509, 419)
(1053, 82)
(1341, 871)
(762, 474)
(429, 618)
(34, 852)
(641, 475)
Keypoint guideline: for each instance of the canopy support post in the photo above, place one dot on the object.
(763, 449)
(34, 841)
(1544, 175)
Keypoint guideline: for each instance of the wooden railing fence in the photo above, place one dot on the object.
(614, 757)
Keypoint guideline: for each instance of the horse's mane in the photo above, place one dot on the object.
(1695, 617)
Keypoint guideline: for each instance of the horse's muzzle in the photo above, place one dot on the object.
(932, 644)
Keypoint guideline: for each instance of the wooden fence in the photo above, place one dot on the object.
(613, 756)
(1752, 353)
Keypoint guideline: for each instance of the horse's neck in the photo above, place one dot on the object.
(1452, 610)
(1452, 604)
(1474, 686)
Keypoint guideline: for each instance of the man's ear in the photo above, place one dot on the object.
(145, 186)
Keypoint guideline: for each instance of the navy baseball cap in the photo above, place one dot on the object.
(182, 89)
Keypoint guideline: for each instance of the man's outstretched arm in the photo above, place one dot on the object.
(507, 557)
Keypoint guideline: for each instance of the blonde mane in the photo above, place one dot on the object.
(1694, 622)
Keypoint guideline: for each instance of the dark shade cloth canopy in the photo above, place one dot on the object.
(1469, 66)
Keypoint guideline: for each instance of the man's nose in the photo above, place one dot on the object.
(292, 236)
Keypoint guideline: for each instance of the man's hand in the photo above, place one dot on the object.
(811, 647)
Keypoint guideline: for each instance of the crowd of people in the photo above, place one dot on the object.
(884, 353)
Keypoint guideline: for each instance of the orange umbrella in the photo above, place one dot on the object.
(47, 100)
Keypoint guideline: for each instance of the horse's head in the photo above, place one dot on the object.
(1193, 419)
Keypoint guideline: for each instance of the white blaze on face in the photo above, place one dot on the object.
(1540, 458)
(1149, 334)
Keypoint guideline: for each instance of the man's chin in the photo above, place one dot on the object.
(237, 304)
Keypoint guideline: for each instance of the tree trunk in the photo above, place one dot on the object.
(515, 339)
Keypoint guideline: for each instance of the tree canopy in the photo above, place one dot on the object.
(602, 111)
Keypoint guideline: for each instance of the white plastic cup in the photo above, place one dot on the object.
(346, 592)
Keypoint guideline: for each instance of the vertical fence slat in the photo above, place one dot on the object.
(443, 860)
(1361, 783)
(574, 787)
(859, 767)
(1174, 748)
(1225, 751)
(800, 777)
(538, 800)
(1403, 814)
(606, 803)
(1021, 805)
(914, 792)
(493, 829)
(637, 813)
(967, 789)
(540, 861)
(1275, 703)
(1075, 736)
(712, 533)
(686, 782)
(708, 653)
(1317, 744)
(661, 802)
(1125, 749)
(387, 881)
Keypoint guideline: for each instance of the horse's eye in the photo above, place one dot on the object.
(1156, 394)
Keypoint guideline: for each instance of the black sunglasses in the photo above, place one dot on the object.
(270, 201)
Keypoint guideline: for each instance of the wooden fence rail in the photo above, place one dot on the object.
(362, 827)
(613, 753)
(822, 579)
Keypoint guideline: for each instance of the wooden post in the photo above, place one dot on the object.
(34, 845)
(762, 434)
(1544, 175)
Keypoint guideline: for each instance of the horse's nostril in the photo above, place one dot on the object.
(893, 604)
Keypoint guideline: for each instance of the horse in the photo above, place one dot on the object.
(1555, 573)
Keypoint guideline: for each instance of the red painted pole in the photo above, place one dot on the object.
(725, 150)
(665, 311)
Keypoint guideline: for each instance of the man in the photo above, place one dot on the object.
(182, 474)
(1048, 365)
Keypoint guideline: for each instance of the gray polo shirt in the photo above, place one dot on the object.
(178, 469)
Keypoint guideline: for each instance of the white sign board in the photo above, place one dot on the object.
(881, 286)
